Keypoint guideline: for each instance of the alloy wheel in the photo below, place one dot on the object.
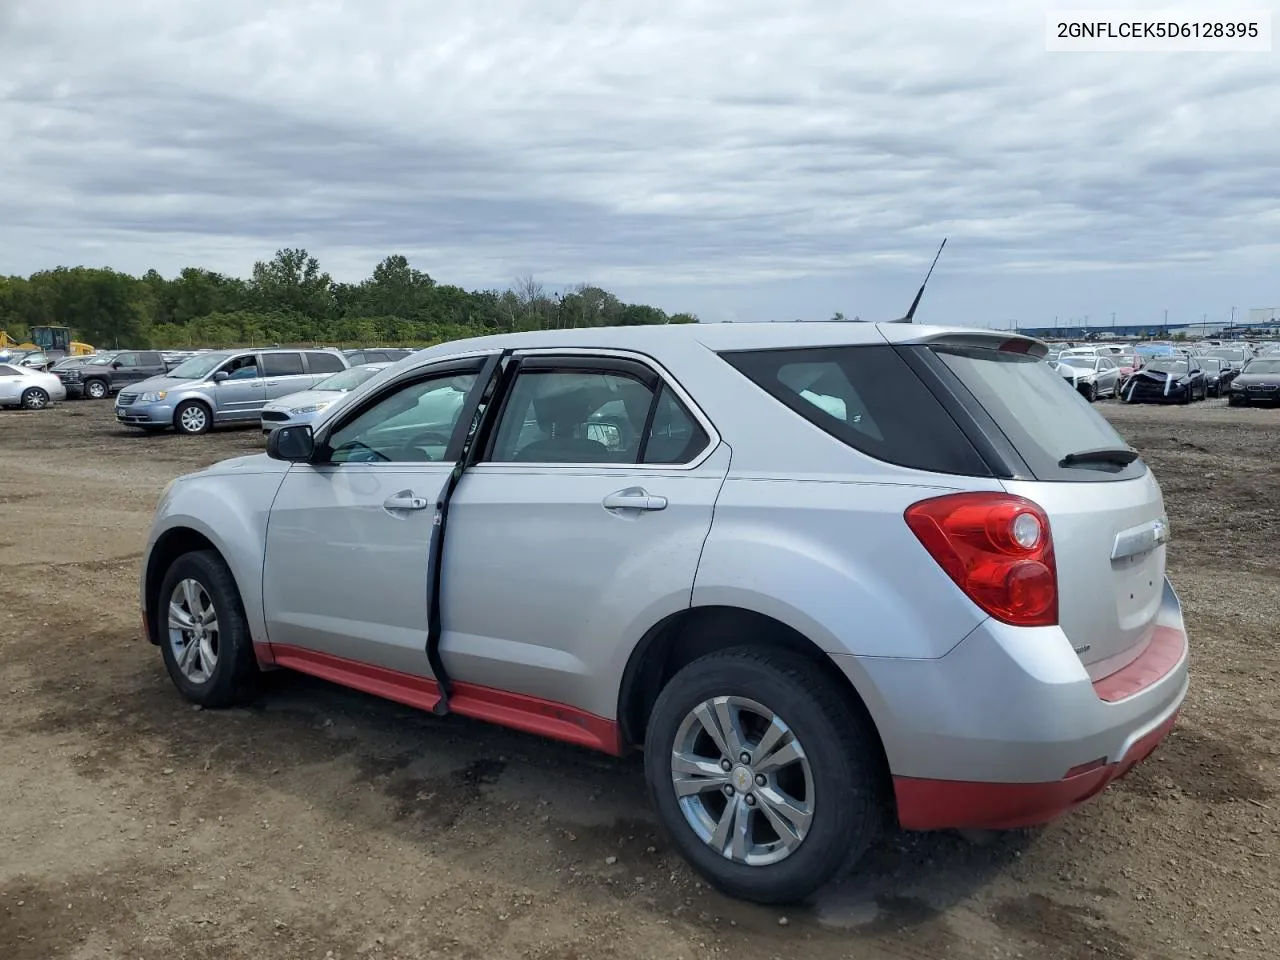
(193, 630)
(742, 780)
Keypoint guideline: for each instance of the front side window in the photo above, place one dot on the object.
(412, 425)
(127, 359)
(242, 368)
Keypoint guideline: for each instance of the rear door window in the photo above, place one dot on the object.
(324, 362)
(281, 364)
(868, 398)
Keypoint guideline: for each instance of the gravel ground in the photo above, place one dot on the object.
(320, 823)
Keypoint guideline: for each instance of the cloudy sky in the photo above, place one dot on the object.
(744, 159)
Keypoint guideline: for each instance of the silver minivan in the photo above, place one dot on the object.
(222, 386)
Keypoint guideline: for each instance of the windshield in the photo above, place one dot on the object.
(1262, 366)
(347, 379)
(1176, 367)
(1227, 354)
(1084, 363)
(198, 367)
(1211, 363)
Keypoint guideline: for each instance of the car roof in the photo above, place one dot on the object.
(716, 337)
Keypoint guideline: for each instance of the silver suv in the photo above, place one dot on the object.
(817, 572)
(223, 386)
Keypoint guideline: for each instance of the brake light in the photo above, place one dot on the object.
(997, 548)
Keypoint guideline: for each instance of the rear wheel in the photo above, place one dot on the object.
(34, 398)
(95, 389)
(766, 778)
(204, 636)
(192, 417)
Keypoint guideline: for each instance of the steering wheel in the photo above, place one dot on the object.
(419, 443)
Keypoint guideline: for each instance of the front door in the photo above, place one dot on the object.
(576, 532)
(348, 539)
(240, 395)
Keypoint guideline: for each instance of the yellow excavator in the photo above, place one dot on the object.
(56, 342)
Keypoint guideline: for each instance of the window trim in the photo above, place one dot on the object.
(447, 366)
(623, 362)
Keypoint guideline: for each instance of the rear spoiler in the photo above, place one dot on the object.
(961, 337)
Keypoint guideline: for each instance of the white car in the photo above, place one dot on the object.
(302, 407)
(27, 388)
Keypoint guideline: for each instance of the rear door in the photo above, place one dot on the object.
(283, 373)
(1108, 520)
(578, 529)
(150, 364)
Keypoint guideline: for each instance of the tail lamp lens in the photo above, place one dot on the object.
(997, 548)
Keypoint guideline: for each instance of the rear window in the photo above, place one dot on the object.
(324, 362)
(868, 398)
(1041, 414)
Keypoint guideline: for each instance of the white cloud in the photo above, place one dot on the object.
(677, 148)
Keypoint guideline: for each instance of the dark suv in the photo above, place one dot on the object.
(100, 376)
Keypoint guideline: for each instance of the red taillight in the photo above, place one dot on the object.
(998, 550)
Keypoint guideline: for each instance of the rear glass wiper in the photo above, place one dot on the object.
(1120, 456)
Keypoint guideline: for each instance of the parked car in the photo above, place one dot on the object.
(815, 571)
(1167, 380)
(1091, 376)
(376, 355)
(36, 360)
(1236, 357)
(28, 388)
(222, 387)
(1258, 382)
(303, 407)
(1217, 374)
(99, 376)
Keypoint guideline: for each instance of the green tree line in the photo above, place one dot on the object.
(290, 300)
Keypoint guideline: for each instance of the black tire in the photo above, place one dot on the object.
(95, 389)
(34, 398)
(236, 668)
(1090, 392)
(192, 418)
(841, 746)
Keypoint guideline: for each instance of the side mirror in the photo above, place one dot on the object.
(116, 364)
(293, 443)
(220, 376)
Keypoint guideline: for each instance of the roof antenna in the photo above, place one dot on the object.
(920, 293)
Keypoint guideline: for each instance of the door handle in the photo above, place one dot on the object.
(405, 500)
(634, 498)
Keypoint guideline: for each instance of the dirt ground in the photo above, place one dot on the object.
(320, 823)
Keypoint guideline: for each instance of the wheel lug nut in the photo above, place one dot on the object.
(751, 800)
(728, 790)
(726, 766)
(745, 758)
(760, 780)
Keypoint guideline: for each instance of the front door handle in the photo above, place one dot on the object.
(405, 500)
(634, 498)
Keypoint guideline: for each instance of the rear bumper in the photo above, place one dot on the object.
(1008, 730)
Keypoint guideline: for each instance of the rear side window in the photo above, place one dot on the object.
(150, 359)
(866, 397)
(1038, 410)
(324, 363)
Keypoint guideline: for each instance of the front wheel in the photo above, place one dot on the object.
(192, 418)
(204, 636)
(95, 389)
(1090, 392)
(767, 779)
(33, 398)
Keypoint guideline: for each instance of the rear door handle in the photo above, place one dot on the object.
(634, 498)
(405, 500)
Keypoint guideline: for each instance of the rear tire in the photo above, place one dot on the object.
(835, 788)
(95, 389)
(199, 609)
(33, 398)
(192, 418)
